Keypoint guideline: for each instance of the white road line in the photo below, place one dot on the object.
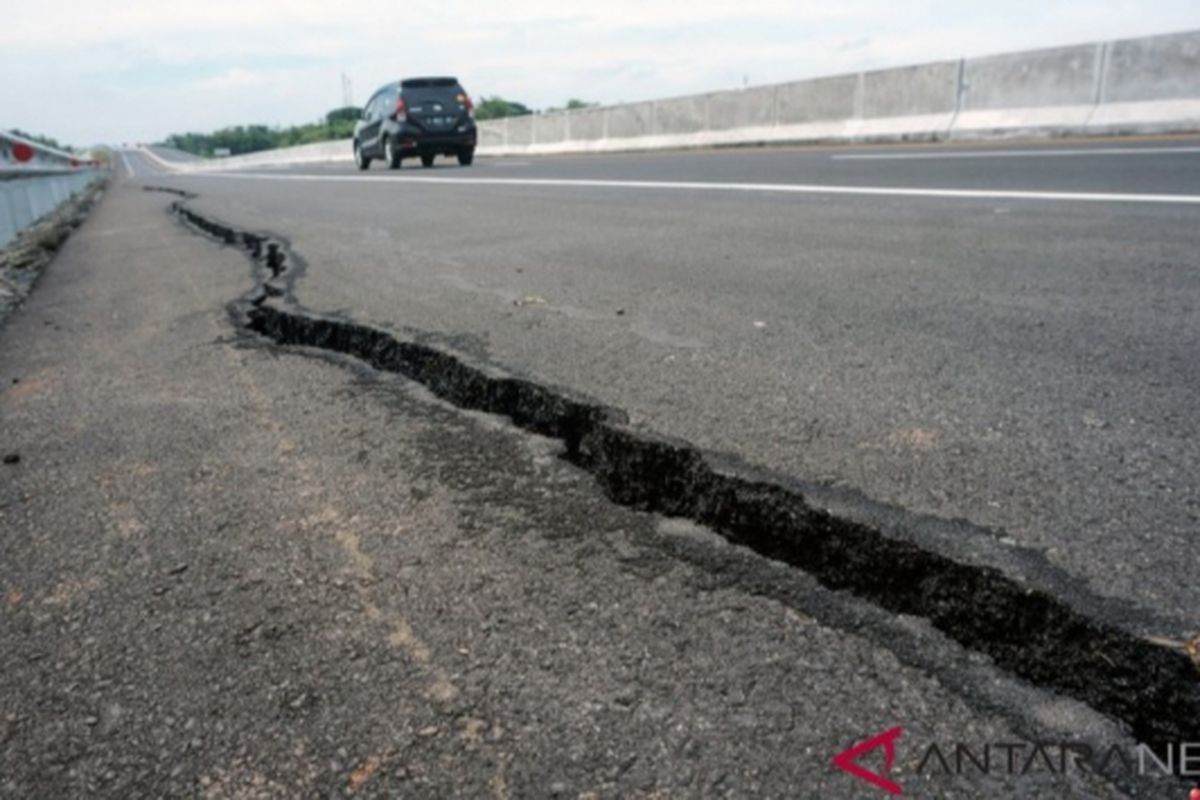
(128, 167)
(1095, 151)
(691, 186)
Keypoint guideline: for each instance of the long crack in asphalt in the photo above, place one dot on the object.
(1088, 647)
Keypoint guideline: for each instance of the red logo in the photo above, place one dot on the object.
(1194, 794)
(847, 760)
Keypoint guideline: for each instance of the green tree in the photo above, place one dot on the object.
(574, 104)
(344, 114)
(337, 124)
(497, 107)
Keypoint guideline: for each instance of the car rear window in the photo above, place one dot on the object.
(429, 83)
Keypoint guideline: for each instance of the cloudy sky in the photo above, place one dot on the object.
(125, 70)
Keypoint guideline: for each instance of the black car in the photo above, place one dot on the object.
(423, 117)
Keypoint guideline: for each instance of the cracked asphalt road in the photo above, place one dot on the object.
(1028, 365)
(234, 571)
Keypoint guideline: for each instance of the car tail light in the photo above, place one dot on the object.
(401, 112)
(466, 101)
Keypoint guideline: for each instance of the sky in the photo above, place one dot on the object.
(136, 71)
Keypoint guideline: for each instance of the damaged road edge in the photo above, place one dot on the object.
(1024, 628)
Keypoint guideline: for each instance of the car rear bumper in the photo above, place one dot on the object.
(413, 140)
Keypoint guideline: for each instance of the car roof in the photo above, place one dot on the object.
(424, 82)
(428, 82)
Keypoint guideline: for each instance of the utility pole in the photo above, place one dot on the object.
(347, 91)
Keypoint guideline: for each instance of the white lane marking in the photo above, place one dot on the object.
(128, 166)
(155, 163)
(776, 188)
(154, 157)
(1095, 151)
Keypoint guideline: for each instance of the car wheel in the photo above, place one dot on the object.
(360, 158)
(466, 156)
(427, 159)
(390, 154)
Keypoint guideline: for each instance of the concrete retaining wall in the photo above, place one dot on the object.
(25, 200)
(1147, 85)
(1053, 90)
(634, 120)
(1159, 68)
(1150, 85)
(1135, 85)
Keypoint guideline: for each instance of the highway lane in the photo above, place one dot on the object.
(1027, 364)
(1170, 166)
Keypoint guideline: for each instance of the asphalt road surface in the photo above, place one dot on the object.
(236, 570)
(1025, 362)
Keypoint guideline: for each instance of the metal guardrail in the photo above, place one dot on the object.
(21, 157)
(35, 180)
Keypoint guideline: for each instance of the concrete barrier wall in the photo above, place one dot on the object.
(588, 125)
(1159, 68)
(1063, 76)
(1146, 85)
(910, 91)
(549, 128)
(490, 136)
(320, 152)
(1150, 86)
(25, 200)
(1058, 91)
(1052, 90)
(519, 131)
(820, 100)
(749, 108)
(630, 121)
(681, 115)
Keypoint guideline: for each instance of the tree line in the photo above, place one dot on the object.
(238, 139)
(496, 107)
